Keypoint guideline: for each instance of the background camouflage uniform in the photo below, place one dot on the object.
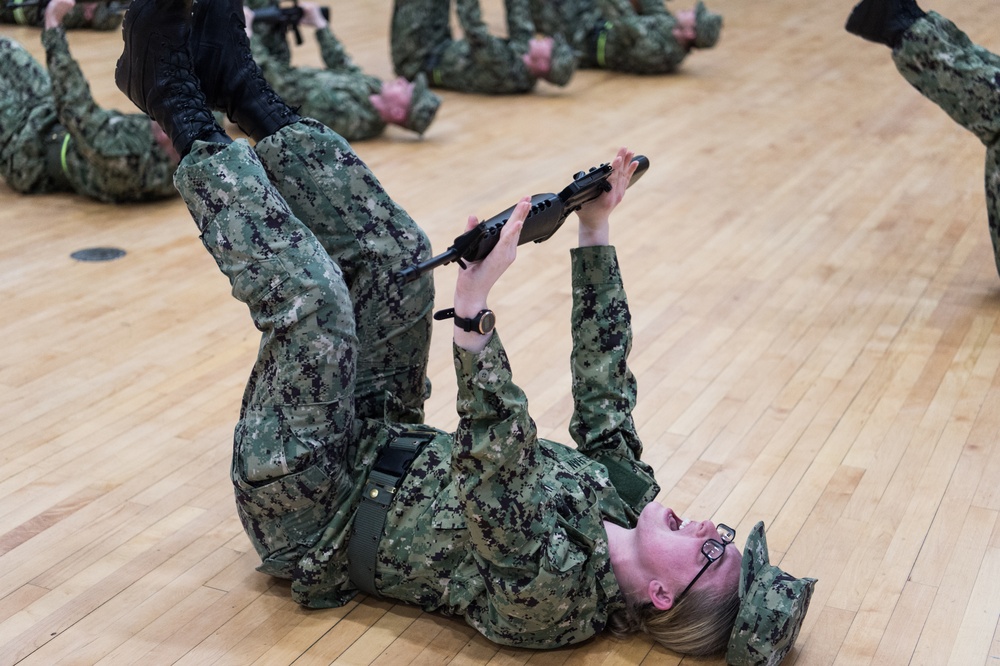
(110, 156)
(106, 17)
(490, 523)
(336, 96)
(963, 79)
(640, 41)
(422, 41)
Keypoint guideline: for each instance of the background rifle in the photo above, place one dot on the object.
(547, 214)
(287, 18)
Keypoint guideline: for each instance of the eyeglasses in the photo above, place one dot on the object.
(712, 550)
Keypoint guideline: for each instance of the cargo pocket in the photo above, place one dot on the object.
(256, 282)
(566, 548)
(286, 481)
(284, 517)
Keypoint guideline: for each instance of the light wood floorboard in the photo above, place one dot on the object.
(817, 344)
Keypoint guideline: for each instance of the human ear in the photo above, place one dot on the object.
(662, 598)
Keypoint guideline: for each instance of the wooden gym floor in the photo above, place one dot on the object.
(817, 320)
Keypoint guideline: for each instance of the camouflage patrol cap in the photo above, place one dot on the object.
(772, 607)
(707, 26)
(563, 62)
(423, 106)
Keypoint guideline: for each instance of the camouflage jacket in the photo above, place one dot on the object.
(106, 17)
(614, 35)
(336, 96)
(499, 526)
(479, 63)
(109, 156)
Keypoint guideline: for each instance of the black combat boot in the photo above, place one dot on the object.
(231, 79)
(155, 71)
(883, 21)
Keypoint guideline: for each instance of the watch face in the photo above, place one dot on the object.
(487, 320)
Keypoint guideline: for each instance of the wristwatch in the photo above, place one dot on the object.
(482, 323)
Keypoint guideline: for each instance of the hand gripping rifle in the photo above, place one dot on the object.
(287, 18)
(547, 214)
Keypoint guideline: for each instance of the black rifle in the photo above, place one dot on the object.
(547, 214)
(287, 17)
(115, 5)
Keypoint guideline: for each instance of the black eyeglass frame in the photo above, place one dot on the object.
(727, 534)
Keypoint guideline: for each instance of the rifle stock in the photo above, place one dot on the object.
(547, 214)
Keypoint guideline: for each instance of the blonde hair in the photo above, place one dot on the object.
(699, 624)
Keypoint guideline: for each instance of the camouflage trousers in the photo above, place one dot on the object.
(310, 241)
(963, 79)
(422, 41)
(27, 115)
(105, 16)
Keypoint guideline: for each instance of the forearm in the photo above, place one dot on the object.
(520, 26)
(333, 53)
(75, 105)
(470, 19)
(494, 457)
(604, 389)
(468, 305)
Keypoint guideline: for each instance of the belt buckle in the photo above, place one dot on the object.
(380, 493)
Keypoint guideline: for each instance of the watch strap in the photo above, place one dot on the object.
(468, 325)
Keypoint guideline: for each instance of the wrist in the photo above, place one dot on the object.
(471, 333)
(590, 236)
(468, 305)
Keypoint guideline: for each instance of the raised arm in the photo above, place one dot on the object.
(544, 579)
(604, 389)
(75, 105)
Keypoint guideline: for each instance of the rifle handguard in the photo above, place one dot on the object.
(547, 214)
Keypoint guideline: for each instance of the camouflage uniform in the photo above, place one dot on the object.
(337, 96)
(54, 138)
(490, 523)
(963, 79)
(612, 34)
(773, 605)
(421, 41)
(106, 17)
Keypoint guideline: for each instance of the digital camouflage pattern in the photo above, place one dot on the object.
(963, 79)
(338, 95)
(773, 605)
(491, 523)
(302, 443)
(108, 156)
(422, 41)
(106, 16)
(614, 34)
(708, 26)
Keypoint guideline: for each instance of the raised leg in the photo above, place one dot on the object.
(332, 190)
(963, 79)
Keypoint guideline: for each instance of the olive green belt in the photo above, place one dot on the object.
(599, 42)
(391, 466)
(20, 17)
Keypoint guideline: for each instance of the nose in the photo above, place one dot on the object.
(706, 529)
